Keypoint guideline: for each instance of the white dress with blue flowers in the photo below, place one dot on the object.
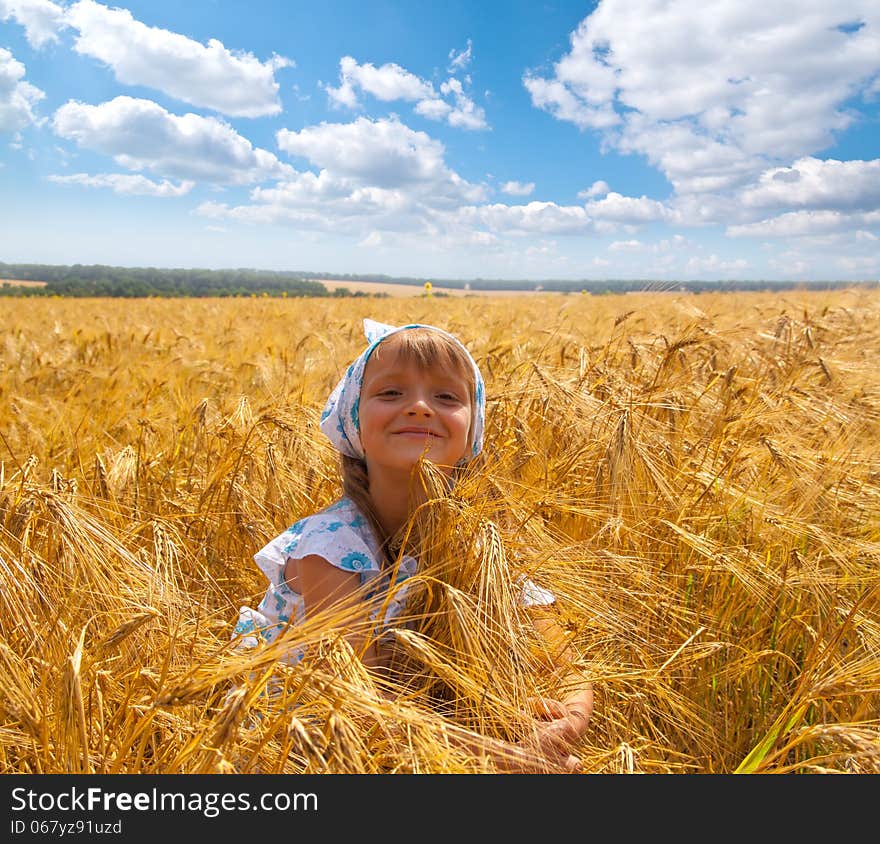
(341, 535)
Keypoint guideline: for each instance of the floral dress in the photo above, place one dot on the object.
(341, 535)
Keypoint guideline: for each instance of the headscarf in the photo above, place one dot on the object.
(339, 420)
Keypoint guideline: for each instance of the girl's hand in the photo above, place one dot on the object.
(557, 729)
(526, 757)
(574, 715)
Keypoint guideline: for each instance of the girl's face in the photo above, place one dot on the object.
(406, 412)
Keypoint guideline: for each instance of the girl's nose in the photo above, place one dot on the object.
(419, 405)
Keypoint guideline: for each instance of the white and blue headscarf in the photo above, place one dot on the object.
(340, 422)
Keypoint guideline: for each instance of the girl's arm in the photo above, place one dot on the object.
(323, 587)
(577, 697)
(562, 721)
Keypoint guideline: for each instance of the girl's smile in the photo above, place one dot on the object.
(406, 411)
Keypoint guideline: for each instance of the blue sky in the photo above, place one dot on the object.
(727, 139)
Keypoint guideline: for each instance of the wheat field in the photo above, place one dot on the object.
(695, 477)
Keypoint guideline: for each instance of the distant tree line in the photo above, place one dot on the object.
(100, 280)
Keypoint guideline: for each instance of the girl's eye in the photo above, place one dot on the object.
(448, 397)
(389, 393)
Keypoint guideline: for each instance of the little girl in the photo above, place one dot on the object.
(415, 393)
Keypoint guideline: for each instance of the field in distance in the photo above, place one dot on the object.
(401, 290)
(17, 282)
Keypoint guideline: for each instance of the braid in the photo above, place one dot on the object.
(356, 486)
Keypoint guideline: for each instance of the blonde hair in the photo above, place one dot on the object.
(427, 349)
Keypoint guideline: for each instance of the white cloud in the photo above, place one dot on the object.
(381, 153)
(805, 223)
(381, 176)
(480, 238)
(819, 184)
(41, 19)
(305, 189)
(466, 114)
(374, 176)
(387, 83)
(17, 98)
(391, 82)
(713, 93)
(626, 246)
(343, 95)
(433, 109)
(533, 218)
(337, 198)
(518, 188)
(549, 218)
(234, 83)
(677, 241)
(694, 162)
(628, 209)
(714, 266)
(141, 135)
(125, 183)
(599, 188)
(266, 215)
(459, 61)
(553, 96)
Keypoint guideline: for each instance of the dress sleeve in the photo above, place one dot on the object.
(337, 535)
(532, 595)
(271, 557)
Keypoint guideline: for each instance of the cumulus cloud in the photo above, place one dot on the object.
(712, 93)
(465, 114)
(433, 109)
(126, 183)
(305, 189)
(41, 19)
(533, 218)
(391, 82)
(554, 96)
(599, 188)
(518, 188)
(208, 76)
(373, 176)
(820, 184)
(381, 176)
(387, 83)
(339, 198)
(17, 97)
(382, 153)
(141, 135)
(628, 209)
(806, 223)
